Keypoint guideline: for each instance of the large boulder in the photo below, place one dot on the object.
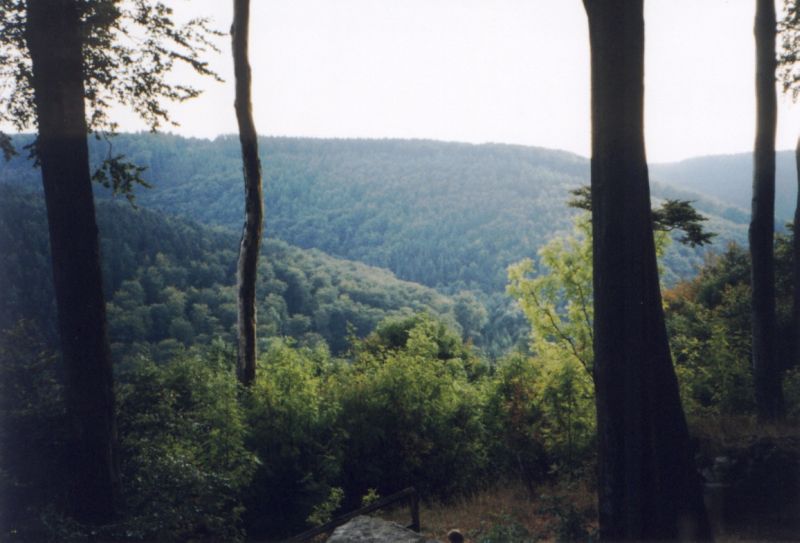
(374, 530)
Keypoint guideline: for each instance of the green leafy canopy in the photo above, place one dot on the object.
(672, 215)
(789, 34)
(130, 47)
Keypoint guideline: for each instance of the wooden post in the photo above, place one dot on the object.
(415, 511)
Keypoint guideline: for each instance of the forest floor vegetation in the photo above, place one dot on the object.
(508, 512)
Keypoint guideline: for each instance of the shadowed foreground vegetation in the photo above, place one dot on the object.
(342, 414)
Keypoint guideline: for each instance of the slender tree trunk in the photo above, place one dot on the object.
(769, 395)
(796, 265)
(648, 486)
(254, 206)
(54, 40)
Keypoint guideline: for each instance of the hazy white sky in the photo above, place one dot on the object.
(510, 71)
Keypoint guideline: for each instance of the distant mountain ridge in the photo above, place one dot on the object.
(729, 179)
(447, 215)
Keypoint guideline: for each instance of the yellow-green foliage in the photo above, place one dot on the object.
(558, 304)
(323, 512)
(555, 294)
(558, 301)
(566, 393)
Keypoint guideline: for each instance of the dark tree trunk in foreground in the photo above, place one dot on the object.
(769, 395)
(796, 265)
(54, 41)
(254, 206)
(648, 486)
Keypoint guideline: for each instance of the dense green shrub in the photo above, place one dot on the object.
(565, 392)
(791, 387)
(540, 416)
(708, 321)
(182, 452)
(292, 418)
(410, 404)
(184, 461)
(32, 433)
(392, 334)
(514, 419)
(411, 417)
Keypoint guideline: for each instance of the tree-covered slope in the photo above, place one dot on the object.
(171, 282)
(447, 215)
(729, 179)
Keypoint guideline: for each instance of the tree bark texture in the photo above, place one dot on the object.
(796, 266)
(55, 44)
(767, 375)
(254, 206)
(648, 487)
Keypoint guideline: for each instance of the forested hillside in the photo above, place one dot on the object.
(171, 283)
(249, 338)
(447, 215)
(729, 179)
(408, 404)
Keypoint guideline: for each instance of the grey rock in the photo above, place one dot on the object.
(374, 530)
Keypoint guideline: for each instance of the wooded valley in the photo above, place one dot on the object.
(614, 343)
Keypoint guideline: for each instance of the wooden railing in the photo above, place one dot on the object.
(409, 494)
